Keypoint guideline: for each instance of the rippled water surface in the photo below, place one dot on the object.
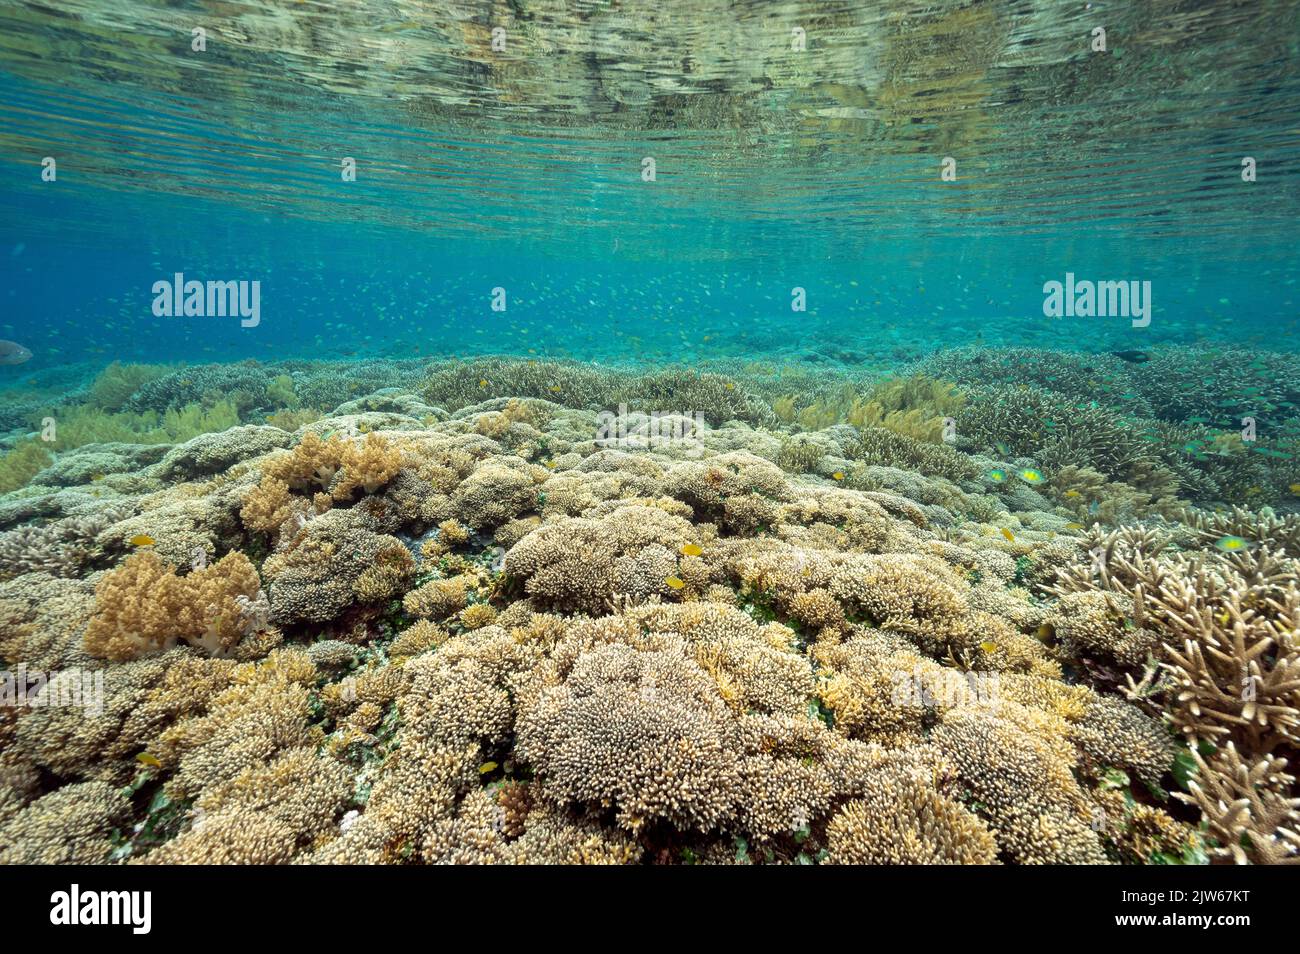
(522, 167)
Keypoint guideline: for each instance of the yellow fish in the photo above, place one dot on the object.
(555, 388)
(482, 382)
(1009, 535)
(1073, 493)
(487, 767)
(1295, 489)
(140, 540)
(1074, 526)
(144, 758)
(692, 549)
(838, 475)
(731, 386)
(675, 582)
(987, 646)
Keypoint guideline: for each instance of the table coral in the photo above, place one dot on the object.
(645, 732)
(903, 819)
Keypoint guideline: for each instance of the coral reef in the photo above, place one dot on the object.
(466, 617)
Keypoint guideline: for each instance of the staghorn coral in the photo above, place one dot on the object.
(1227, 630)
(439, 599)
(1099, 622)
(1245, 807)
(496, 491)
(1264, 529)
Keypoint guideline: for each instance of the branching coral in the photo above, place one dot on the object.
(585, 564)
(329, 563)
(1264, 529)
(903, 819)
(1115, 734)
(1036, 809)
(645, 732)
(69, 826)
(1227, 628)
(61, 548)
(1246, 808)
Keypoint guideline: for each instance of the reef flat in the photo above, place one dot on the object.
(1000, 606)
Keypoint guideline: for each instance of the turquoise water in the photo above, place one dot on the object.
(522, 170)
(578, 430)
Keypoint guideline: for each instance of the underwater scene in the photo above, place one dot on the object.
(610, 431)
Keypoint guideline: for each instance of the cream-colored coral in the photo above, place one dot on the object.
(903, 819)
(644, 732)
(439, 599)
(1025, 786)
(586, 564)
(1247, 807)
(417, 638)
(479, 614)
(71, 825)
(144, 607)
